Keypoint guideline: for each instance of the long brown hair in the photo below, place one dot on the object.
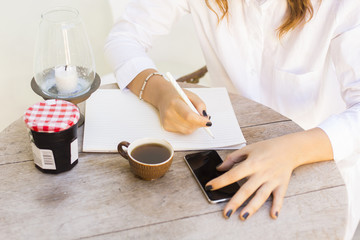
(297, 11)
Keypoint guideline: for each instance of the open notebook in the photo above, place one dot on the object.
(112, 116)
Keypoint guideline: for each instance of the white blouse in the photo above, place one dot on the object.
(311, 75)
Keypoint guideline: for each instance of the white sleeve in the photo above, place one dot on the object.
(131, 37)
(343, 129)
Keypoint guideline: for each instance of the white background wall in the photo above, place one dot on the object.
(178, 52)
(19, 19)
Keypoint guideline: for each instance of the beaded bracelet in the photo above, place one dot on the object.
(146, 80)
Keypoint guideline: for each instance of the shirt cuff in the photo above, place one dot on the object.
(340, 138)
(131, 69)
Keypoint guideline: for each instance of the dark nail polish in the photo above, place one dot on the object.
(204, 113)
(209, 117)
(209, 124)
(208, 187)
(245, 215)
(228, 214)
(277, 214)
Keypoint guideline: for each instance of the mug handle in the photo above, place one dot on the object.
(121, 149)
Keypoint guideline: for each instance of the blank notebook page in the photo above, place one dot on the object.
(112, 116)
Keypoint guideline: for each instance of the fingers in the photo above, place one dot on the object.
(177, 116)
(190, 117)
(260, 197)
(178, 127)
(256, 202)
(197, 102)
(266, 171)
(233, 158)
(278, 198)
(233, 175)
(184, 125)
(260, 185)
(241, 196)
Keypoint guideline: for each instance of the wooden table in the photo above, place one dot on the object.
(101, 199)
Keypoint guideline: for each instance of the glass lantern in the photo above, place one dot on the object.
(64, 64)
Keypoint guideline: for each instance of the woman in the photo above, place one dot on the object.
(299, 57)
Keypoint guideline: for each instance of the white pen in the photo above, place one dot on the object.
(185, 98)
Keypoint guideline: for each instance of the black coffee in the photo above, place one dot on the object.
(151, 153)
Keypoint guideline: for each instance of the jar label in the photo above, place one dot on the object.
(74, 151)
(44, 158)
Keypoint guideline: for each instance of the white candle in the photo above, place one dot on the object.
(66, 79)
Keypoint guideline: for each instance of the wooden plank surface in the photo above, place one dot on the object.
(207, 226)
(100, 198)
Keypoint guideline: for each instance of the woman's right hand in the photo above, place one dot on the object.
(175, 114)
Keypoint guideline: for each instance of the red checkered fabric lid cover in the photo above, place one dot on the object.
(51, 116)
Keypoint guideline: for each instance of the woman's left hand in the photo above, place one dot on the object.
(268, 166)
